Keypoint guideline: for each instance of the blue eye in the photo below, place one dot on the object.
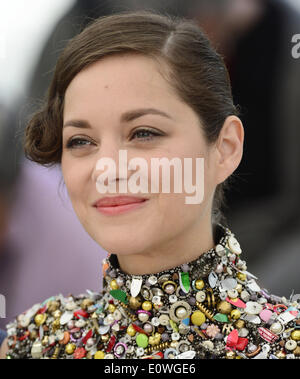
(145, 134)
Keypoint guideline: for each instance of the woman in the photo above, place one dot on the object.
(149, 87)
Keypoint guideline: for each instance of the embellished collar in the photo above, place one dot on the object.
(199, 267)
(167, 305)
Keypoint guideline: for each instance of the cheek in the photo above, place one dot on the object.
(75, 177)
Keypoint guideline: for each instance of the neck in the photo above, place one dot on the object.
(181, 249)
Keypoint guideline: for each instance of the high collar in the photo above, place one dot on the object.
(167, 300)
(199, 267)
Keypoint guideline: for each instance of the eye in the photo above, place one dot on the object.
(145, 134)
(77, 142)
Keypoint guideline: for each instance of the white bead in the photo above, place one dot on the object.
(234, 245)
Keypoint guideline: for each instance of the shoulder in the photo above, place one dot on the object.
(44, 330)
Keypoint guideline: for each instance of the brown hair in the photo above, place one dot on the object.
(196, 72)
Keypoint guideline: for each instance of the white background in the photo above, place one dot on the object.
(24, 28)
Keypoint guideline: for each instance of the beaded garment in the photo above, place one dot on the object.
(211, 307)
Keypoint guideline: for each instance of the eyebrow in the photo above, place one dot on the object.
(125, 117)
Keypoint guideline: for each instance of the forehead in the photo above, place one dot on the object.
(124, 76)
(118, 83)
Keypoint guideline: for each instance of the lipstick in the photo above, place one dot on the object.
(119, 204)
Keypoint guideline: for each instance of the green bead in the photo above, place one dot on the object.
(173, 325)
(119, 295)
(184, 281)
(141, 340)
(221, 317)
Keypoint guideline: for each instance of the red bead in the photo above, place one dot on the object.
(42, 310)
(140, 330)
(111, 344)
(242, 343)
(82, 313)
(232, 339)
(87, 336)
(25, 335)
(79, 353)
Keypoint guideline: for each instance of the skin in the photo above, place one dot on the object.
(3, 349)
(164, 232)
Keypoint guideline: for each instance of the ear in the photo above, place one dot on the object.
(229, 148)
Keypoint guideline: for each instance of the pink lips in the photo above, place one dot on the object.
(118, 204)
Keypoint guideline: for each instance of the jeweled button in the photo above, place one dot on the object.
(233, 293)
(290, 345)
(200, 296)
(152, 280)
(253, 308)
(276, 327)
(164, 320)
(220, 250)
(155, 321)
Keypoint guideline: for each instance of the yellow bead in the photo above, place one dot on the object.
(280, 355)
(224, 307)
(239, 324)
(114, 285)
(241, 276)
(52, 306)
(157, 306)
(40, 319)
(297, 351)
(295, 335)
(99, 355)
(198, 318)
(154, 340)
(56, 325)
(135, 302)
(131, 331)
(70, 348)
(239, 288)
(57, 313)
(33, 335)
(147, 305)
(199, 284)
(45, 341)
(86, 303)
(235, 314)
(230, 355)
(111, 308)
(105, 337)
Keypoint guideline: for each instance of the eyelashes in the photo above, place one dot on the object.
(151, 134)
(143, 135)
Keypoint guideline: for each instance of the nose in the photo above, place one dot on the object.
(110, 166)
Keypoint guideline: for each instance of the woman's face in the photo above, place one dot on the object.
(100, 95)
